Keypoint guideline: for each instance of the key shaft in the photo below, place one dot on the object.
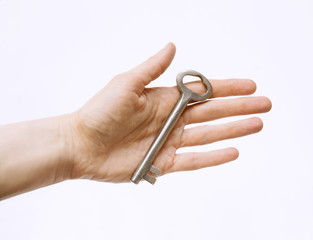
(142, 171)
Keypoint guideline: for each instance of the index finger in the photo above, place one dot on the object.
(225, 87)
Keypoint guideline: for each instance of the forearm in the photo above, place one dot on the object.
(32, 155)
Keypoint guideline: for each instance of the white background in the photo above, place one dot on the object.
(54, 55)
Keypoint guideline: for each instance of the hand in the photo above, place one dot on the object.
(110, 135)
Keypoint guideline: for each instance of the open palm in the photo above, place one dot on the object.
(112, 132)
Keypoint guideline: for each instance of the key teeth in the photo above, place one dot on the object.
(149, 178)
(155, 170)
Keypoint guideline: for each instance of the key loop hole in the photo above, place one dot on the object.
(184, 90)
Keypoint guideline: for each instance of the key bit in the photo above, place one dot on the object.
(149, 178)
(155, 170)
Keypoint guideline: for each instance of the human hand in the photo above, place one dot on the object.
(110, 134)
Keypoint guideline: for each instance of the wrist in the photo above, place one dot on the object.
(67, 152)
(73, 151)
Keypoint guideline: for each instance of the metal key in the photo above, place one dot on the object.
(142, 171)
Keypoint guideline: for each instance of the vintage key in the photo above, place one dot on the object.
(142, 171)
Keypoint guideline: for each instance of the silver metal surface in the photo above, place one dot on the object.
(145, 169)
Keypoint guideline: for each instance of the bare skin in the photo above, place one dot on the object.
(106, 139)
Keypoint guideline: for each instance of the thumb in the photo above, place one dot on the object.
(154, 66)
